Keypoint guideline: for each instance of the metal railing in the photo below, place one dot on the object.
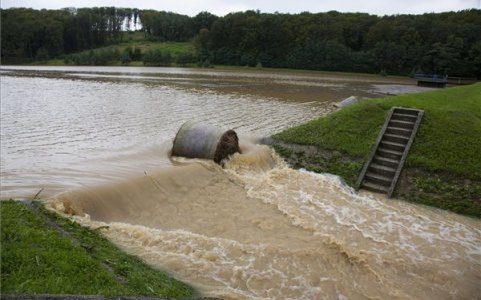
(444, 79)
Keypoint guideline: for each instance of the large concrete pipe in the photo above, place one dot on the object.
(200, 140)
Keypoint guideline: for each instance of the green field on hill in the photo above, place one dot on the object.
(136, 39)
(134, 50)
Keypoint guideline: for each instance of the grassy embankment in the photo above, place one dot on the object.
(43, 253)
(443, 168)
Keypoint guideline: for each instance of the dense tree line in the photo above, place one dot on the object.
(444, 43)
(29, 34)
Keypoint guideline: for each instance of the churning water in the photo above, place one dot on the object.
(97, 140)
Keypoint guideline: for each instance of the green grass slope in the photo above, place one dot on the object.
(449, 138)
(443, 168)
(42, 253)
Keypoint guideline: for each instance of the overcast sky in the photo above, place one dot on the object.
(223, 7)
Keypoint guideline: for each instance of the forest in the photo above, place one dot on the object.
(435, 43)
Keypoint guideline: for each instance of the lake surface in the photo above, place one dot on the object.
(96, 140)
(65, 127)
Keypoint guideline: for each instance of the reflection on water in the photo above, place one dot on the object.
(98, 140)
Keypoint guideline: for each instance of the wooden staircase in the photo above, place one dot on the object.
(382, 170)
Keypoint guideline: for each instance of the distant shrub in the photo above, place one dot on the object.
(42, 54)
(137, 54)
(105, 56)
(206, 64)
(125, 59)
(156, 57)
(184, 58)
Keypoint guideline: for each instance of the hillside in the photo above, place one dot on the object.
(443, 168)
(171, 54)
(434, 43)
(136, 50)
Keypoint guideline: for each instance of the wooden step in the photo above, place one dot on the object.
(379, 179)
(402, 124)
(407, 111)
(393, 146)
(393, 154)
(399, 131)
(404, 117)
(383, 168)
(401, 139)
(374, 187)
(384, 161)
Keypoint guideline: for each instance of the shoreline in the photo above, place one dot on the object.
(448, 185)
(137, 64)
(81, 263)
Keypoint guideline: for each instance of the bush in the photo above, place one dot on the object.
(206, 64)
(137, 54)
(42, 54)
(125, 59)
(156, 57)
(184, 58)
(104, 56)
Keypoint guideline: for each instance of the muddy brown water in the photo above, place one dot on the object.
(97, 141)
